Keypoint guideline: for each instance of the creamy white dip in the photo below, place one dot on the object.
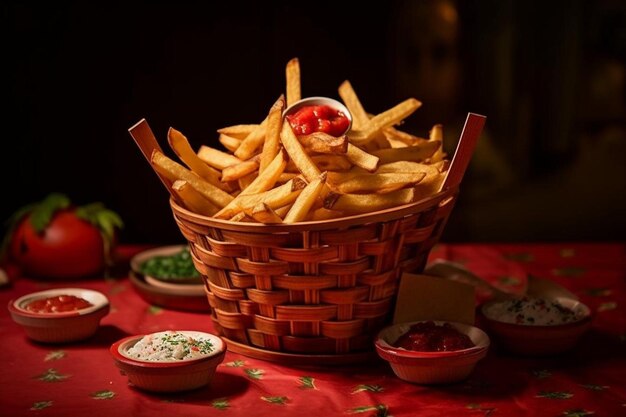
(170, 346)
(532, 312)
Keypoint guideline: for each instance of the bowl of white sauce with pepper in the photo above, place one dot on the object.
(169, 361)
(536, 326)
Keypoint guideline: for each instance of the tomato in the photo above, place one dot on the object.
(68, 247)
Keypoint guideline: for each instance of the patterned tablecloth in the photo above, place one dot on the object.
(81, 379)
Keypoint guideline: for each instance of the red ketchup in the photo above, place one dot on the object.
(310, 119)
(58, 304)
(429, 337)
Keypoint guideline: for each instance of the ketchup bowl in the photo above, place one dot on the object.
(335, 111)
(189, 362)
(431, 367)
(60, 315)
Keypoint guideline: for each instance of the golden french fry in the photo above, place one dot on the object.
(244, 182)
(436, 134)
(305, 200)
(430, 185)
(274, 198)
(385, 119)
(324, 163)
(252, 142)
(300, 158)
(238, 131)
(323, 214)
(181, 147)
(352, 102)
(321, 142)
(282, 211)
(286, 176)
(174, 171)
(261, 183)
(216, 158)
(229, 142)
(409, 167)
(397, 135)
(272, 135)
(363, 203)
(292, 74)
(378, 183)
(264, 214)
(192, 199)
(361, 158)
(411, 153)
(239, 217)
(267, 178)
(234, 172)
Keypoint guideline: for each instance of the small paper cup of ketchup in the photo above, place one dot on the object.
(60, 315)
(432, 367)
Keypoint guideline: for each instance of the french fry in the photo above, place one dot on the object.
(361, 158)
(245, 181)
(321, 142)
(239, 217)
(429, 185)
(324, 163)
(229, 142)
(192, 199)
(409, 167)
(397, 135)
(272, 135)
(323, 214)
(181, 147)
(235, 172)
(282, 211)
(300, 158)
(286, 176)
(174, 171)
(363, 203)
(261, 183)
(305, 200)
(436, 134)
(262, 213)
(216, 158)
(292, 75)
(238, 131)
(385, 119)
(352, 102)
(252, 142)
(378, 183)
(274, 198)
(411, 153)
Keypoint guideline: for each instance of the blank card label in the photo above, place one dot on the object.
(422, 297)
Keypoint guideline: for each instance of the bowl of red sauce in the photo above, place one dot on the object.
(432, 352)
(318, 114)
(533, 326)
(60, 315)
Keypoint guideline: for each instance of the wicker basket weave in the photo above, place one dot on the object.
(313, 288)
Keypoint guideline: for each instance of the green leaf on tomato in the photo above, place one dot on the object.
(42, 213)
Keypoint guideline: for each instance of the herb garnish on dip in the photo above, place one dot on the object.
(531, 312)
(170, 346)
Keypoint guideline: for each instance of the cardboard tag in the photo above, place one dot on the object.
(422, 297)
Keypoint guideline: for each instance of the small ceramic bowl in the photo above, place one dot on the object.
(532, 340)
(320, 101)
(60, 327)
(431, 368)
(169, 376)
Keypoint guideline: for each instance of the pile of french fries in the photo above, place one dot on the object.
(271, 176)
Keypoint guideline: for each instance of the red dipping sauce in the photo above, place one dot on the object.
(319, 118)
(429, 337)
(58, 304)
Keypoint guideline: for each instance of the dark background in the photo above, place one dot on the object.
(550, 76)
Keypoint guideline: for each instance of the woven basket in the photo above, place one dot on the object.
(311, 288)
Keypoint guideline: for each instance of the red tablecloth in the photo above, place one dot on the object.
(81, 380)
